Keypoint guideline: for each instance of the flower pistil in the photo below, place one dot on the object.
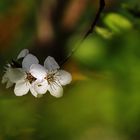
(30, 78)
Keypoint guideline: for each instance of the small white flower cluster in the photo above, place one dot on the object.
(33, 77)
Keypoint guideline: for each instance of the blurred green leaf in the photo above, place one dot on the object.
(117, 23)
(91, 52)
(103, 32)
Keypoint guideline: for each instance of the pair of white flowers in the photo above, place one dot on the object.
(33, 77)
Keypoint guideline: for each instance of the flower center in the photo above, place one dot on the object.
(30, 78)
(50, 78)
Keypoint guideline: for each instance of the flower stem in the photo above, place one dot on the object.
(90, 30)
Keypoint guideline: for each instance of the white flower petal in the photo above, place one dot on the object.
(32, 90)
(9, 84)
(4, 79)
(23, 53)
(38, 71)
(51, 64)
(21, 88)
(15, 74)
(41, 87)
(28, 61)
(64, 77)
(56, 90)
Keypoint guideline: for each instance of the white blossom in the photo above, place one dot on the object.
(5, 78)
(21, 77)
(29, 75)
(27, 82)
(13, 73)
(23, 53)
(51, 77)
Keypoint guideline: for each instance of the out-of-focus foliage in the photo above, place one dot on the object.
(117, 23)
(91, 52)
(104, 105)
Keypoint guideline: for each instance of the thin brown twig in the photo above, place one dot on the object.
(90, 30)
(102, 5)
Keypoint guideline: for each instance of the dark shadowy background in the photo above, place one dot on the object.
(103, 100)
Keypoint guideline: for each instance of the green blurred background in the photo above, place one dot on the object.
(103, 101)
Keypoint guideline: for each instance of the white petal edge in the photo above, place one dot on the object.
(28, 61)
(15, 74)
(9, 84)
(56, 90)
(38, 71)
(4, 78)
(21, 88)
(32, 90)
(64, 77)
(51, 64)
(23, 53)
(41, 87)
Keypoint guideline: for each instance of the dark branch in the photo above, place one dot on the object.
(101, 7)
